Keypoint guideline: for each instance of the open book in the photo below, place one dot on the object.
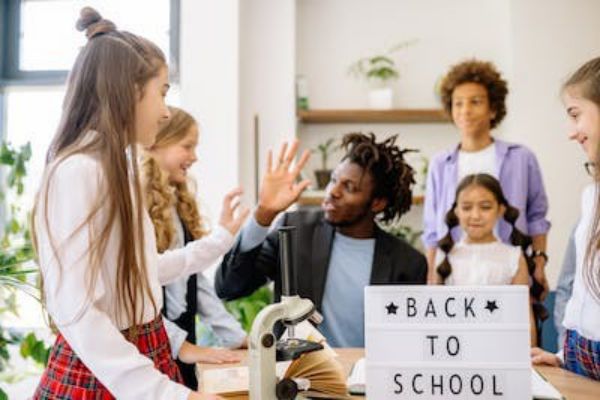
(541, 389)
(319, 374)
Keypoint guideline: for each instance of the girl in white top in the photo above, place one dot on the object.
(177, 219)
(480, 258)
(101, 273)
(581, 349)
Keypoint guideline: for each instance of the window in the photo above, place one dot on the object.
(40, 46)
(40, 43)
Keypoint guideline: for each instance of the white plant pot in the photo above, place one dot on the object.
(381, 98)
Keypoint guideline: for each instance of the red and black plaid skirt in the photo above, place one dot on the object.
(66, 377)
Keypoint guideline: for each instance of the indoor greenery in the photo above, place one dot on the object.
(17, 270)
(325, 149)
(379, 68)
(247, 308)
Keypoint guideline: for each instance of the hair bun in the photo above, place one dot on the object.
(92, 22)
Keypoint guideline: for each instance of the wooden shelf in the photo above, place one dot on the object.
(373, 116)
(315, 198)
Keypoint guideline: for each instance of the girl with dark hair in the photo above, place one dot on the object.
(479, 258)
(101, 273)
(473, 95)
(581, 349)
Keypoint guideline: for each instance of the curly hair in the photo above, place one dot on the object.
(483, 73)
(385, 161)
(161, 196)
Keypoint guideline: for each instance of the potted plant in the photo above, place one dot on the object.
(323, 175)
(380, 71)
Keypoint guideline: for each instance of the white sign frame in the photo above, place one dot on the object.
(447, 342)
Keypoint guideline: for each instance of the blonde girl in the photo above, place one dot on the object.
(177, 220)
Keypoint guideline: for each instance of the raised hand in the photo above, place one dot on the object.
(233, 214)
(278, 189)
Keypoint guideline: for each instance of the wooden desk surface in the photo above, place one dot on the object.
(572, 386)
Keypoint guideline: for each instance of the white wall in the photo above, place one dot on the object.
(210, 92)
(331, 34)
(549, 40)
(267, 69)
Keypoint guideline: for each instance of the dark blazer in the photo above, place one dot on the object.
(241, 273)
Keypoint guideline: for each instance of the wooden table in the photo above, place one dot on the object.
(572, 386)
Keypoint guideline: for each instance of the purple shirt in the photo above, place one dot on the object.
(521, 182)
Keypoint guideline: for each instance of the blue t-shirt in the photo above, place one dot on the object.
(343, 301)
(349, 272)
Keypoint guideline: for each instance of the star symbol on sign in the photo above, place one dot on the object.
(391, 308)
(491, 306)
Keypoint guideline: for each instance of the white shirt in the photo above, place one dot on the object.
(477, 162)
(210, 308)
(92, 325)
(582, 312)
(494, 263)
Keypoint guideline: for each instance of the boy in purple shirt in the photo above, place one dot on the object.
(474, 93)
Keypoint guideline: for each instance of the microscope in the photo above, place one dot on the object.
(264, 348)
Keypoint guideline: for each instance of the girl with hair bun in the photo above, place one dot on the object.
(480, 258)
(95, 245)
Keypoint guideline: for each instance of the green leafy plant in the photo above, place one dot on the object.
(247, 308)
(404, 232)
(379, 68)
(35, 349)
(16, 250)
(325, 149)
(16, 255)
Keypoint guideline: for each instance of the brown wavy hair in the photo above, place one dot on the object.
(161, 195)
(98, 118)
(586, 81)
(393, 176)
(483, 73)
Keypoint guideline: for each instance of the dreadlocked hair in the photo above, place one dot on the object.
(392, 175)
(511, 214)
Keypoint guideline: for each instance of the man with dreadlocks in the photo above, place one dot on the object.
(341, 249)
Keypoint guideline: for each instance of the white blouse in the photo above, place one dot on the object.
(91, 325)
(582, 312)
(494, 263)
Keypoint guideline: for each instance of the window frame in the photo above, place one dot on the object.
(11, 74)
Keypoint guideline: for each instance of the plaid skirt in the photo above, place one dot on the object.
(66, 377)
(582, 355)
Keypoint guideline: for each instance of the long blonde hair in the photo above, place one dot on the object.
(161, 195)
(587, 81)
(102, 90)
